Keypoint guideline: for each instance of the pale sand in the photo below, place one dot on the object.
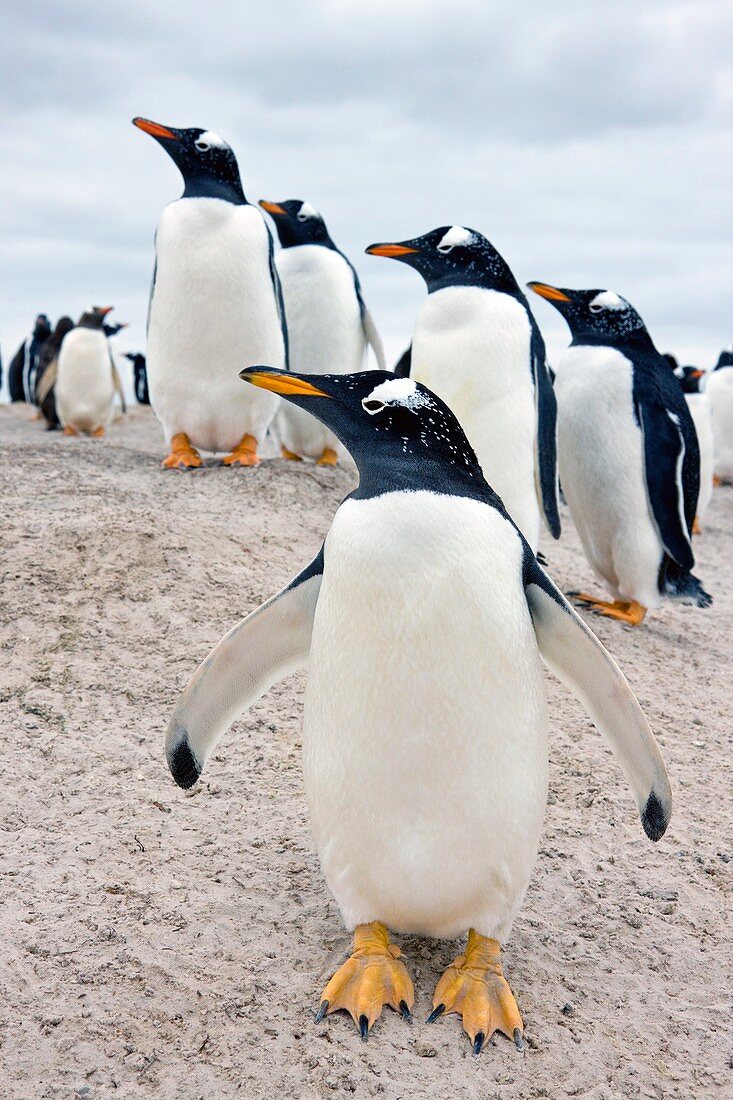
(162, 944)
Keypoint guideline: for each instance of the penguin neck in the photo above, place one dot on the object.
(637, 344)
(407, 471)
(204, 187)
(484, 280)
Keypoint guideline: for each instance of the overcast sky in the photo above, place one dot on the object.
(590, 142)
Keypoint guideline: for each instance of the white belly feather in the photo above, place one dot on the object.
(325, 332)
(425, 756)
(213, 312)
(720, 394)
(84, 388)
(471, 347)
(601, 464)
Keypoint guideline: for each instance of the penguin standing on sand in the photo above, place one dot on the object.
(85, 387)
(215, 304)
(329, 326)
(24, 364)
(719, 389)
(477, 345)
(426, 776)
(628, 452)
(45, 396)
(690, 379)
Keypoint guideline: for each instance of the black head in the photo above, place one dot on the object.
(297, 223)
(94, 317)
(690, 378)
(115, 327)
(725, 360)
(453, 256)
(207, 164)
(63, 325)
(597, 316)
(400, 435)
(42, 326)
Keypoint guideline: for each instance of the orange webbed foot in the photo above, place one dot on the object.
(474, 986)
(373, 976)
(328, 458)
(182, 455)
(244, 454)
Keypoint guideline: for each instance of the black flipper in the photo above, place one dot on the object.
(665, 449)
(546, 407)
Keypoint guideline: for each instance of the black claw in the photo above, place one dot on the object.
(518, 1040)
(364, 1028)
(321, 1011)
(478, 1042)
(436, 1012)
(406, 1014)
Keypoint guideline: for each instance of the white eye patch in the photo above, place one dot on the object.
(307, 211)
(608, 299)
(397, 391)
(455, 235)
(210, 140)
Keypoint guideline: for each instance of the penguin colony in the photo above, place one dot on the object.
(460, 452)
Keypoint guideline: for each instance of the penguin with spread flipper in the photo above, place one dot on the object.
(423, 621)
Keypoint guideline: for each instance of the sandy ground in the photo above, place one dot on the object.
(156, 943)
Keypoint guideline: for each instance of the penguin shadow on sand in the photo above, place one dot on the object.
(424, 623)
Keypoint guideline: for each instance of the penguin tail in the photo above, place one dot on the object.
(678, 584)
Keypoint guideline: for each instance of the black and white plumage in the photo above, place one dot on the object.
(477, 345)
(330, 328)
(23, 367)
(215, 301)
(421, 560)
(628, 451)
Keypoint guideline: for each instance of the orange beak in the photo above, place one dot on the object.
(154, 129)
(285, 384)
(391, 251)
(104, 310)
(697, 374)
(551, 293)
(272, 207)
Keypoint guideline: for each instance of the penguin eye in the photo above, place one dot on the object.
(202, 146)
(445, 248)
(595, 308)
(302, 217)
(372, 406)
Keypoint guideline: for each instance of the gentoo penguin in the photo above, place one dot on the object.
(329, 326)
(215, 304)
(45, 396)
(477, 345)
(699, 405)
(719, 389)
(24, 364)
(85, 387)
(140, 377)
(413, 836)
(628, 453)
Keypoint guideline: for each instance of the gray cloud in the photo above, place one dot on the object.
(590, 143)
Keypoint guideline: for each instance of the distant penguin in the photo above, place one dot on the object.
(477, 345)
(403, 364)
(422, 622)
(691, 380)
(24, 364)
(85, 387)
(628, 452)
(111, 331)
(215, 305)
(45, 395)
(719, 390)
(329, 325)
(140, 380)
